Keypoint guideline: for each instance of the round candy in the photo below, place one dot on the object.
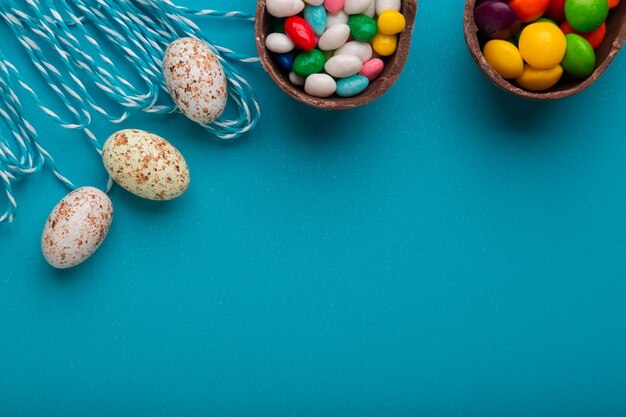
(320, 85)
(613, 4)
(362, 28)
(529, 10)
(391, 22)
(595, 38)
(534, 79)
(385, 45)
(542, 45)
(580, 59)
(309, 62)
(351, 86)
(586, 15)
(496, 20)
(300, 32)
(504, 58)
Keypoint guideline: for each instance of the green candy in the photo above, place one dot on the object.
(586, 15)
(580, 59)
(362, 28)
(309, 62)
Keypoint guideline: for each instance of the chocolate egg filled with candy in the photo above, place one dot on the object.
(355, 33)
(556, 65)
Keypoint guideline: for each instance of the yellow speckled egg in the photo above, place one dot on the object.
(535, 79)
(76, 227)
(195, 79)
(145, 164)
(504, 58)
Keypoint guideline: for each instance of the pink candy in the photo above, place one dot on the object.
(372, 68)
(333, 6)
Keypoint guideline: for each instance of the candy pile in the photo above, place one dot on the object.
(535, 42)
(333, 46)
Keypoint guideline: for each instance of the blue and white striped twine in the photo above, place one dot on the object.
(57, 35)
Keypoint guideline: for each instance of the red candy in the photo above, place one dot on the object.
(529, 10)
(300, 32)
(595, 38)
(556, 10)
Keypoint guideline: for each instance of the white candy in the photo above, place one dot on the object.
(279, 43)
(342, 66)
(320, 85)
(371, 10)
(382, 5)
(296, 79)
(336, 19)
(284, 8)
(334, 37)
(315, 2)
(362, 50)
(356, 6)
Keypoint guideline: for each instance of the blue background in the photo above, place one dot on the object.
(446, 250)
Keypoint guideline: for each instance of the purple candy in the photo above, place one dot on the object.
(496, 19)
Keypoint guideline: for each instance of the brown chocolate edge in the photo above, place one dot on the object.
(613, 42)
(375, 90)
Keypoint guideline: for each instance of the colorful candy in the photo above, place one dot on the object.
(327, 47)
(542, 45)
(580, 59)
(558, 37)
(300, 32)
(504, 57)
(586, 15)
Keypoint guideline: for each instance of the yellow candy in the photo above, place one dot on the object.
(534, 79)
(391, 22)
(504, 58)
(542, 45)
(384, 45)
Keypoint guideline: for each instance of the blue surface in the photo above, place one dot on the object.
(447, 250)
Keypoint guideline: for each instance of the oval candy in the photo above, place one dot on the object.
(300, 32)
(195, 79)
(76, 227)
(284, 8)
(334, 38)
(341, 66)
(145, 164)
(320, 85)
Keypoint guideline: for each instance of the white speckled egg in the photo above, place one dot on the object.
(195, 79)
(76, 227)
(145, 164)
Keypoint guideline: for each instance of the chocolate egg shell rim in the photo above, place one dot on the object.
(612, 44)
(393, 67)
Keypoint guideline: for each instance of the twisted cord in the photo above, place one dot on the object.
(63, 38)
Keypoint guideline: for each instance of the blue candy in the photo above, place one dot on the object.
(351, 86)
(315, 16)
(285, 61)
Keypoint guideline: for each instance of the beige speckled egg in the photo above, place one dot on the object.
(195, 79)
(76, 227)
(145, 164)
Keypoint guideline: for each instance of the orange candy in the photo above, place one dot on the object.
(595, 38)
(529, 10)
(613, 4)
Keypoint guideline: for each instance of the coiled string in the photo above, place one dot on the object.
(63, 40)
